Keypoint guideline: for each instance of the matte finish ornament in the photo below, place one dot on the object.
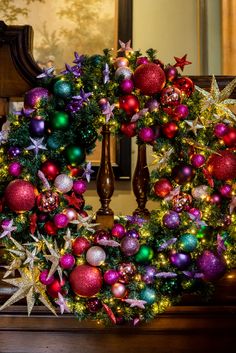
(86, 280)
(187, 242)
(129, 246)
(34, 97)
(222, 166)
(20, 195)
(80, 245)
(149, 78)
(63, 183)
(211, 265)
(171, 220)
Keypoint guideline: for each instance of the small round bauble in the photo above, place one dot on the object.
(129, 103)
(75, 154)
(121, 61)
(56, 287)
(103, 103)
(111, 276)
(127, 270)
(123, 73)
(15, 169)
(20, 195)
(126, 86)
(171, 220)
(180, 112)
(70, 213)
(149, 78)
(100, 235)
(63, 183)
(60, 220)
(183, 173)
(119, 290)
(180, 260)
(170, 97)
(59, 120)
(50, 169)
(62, 89)
(144, 255)
(185, 85)
(95, 256)
(146, 134)
(14, 151)
(187, 242)
(94, 304)
(118, 230)
(129, 246)
(34, 97)
(230, 137)
(129, 129)
(149, 275)
(162, 187)
(220, 130)
(80, 245)
(153, 105)
(79, 186)
(149, 295)
(222, 166)
(171, 73)
(44, 279)
(225, 190)
(197, 160)
(133, 233)
(47, 201)
(87, 136)
(53, 143)
(86, 280)
(142, 60)
(195, 212)
(67, 261)
(170, 129)
(213, 266)
(37, 127)
(215, 199)
(50, 228)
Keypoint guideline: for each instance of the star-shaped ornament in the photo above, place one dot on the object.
(125, 46)
(7, 229)
(68, 239)
(31, 258)
(12, 267)
(37, 145)
(61, 301)
(181, 62)
(108, 111)
(85, 222)
(194, 125)
(162, 159)
(88, 171)
(136, 303)
(54, 258)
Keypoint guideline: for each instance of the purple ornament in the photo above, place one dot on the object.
(171, 73)
(146, 134)
(211, 265)
(103, 103)
(180, 112)
(60, 220)
(126, 86)
(34, 97)
(42, 217)
(152, 105)
(43, 277)
(67, 261)
(101, 235)
(197, 160)
(215, 198)
(149, 275)
(111, 276)
(142, 60)
(118, 230)
(171, 220)
(132, 233)
(180, 260)
(15, 169)
(79, 186)
(37, 127)
(225, 190)
(14, 151)
(5, 222)
(183, 173)
(94, 304)
(195, 212)
(129, 246)
(220, 130)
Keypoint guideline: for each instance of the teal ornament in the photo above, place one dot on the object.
(149, 295)
(75, 154)
(96, 59)
(187, 242)
(87, 136)
(62, 89)
(53, 143)
(59, 120)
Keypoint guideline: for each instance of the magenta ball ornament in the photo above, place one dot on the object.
(95, 256)
(34, 97)
(44, 279)
(171, 220)
(67, 261)
(146, 134)
(142, 60)
(195, 212)
(183, 173)
(63, 183)
(70, 213)
(225, 190)
(129, 246)
(149, 78)
(197, 160)
(213, 266)
(220, 130)
(79, 186)
(118, 230)
(180, 260)
(86, 280)
(126, 86)
(171, 73)
(215, 198)
(60, 220)
(100, 235)
(118, 290)
(111, 276)
(180, 112)
(15, 169)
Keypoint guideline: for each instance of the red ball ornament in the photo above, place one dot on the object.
(129, 103)
(170, 97)
(222, 166)
(162, 187)
(170, 129)
(50, 169)
(20, 195)
(149, 78)
(230, 137)
(50, 228)
(80, 245)
(129, 129)
(56, 287)
(86, 280)
(185, 85)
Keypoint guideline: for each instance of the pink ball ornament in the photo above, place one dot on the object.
(70, 213)
(111, 276)
(60, 220)
(180, 112)
(118, 230)
(15, 169)
(63, 183)
(121, 62)
(215, 199)
(195, 212)
(67, 261)
(220, 130)
(33, 97)
(95, 256)
(44, 279)
(197, 160)
(118, 290)
(101, 234)
(126, 86)
(146, 134)
(79, 186)
(225, 190)
(142, 60)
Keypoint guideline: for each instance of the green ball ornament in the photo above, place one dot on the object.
(187, 242)
(87, 136)
(62, 89)
(145, 254)
(75, 154)
(149, 295)
(53, 143)
(59, 120)
(202, 232)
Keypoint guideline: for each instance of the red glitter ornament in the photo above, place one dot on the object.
(56, 287)
(162, 187)
(80, 245)
(149, 78)
(129, 103)
(50, 169)
(223, 166)
(86, 280)
(20, 195)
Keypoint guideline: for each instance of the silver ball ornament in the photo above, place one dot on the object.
(63, 183)
(95, 256)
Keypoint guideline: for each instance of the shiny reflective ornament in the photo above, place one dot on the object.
(67, 261)
(80, 245)
(127, 270)
(180, 260)
(59, 120)
(95, 256)
(181, 202)
(111, 276)
(47, 201)
(75, 154)
(123, 73)
(149, 295)
(187, 242)
(185, 85)
(118, 290)
(34, 97)
(162, 187)
(63, 183)
(121, 62)
(62, 89)
(171, 220)
(37, 127)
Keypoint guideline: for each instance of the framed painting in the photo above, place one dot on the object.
(65, 26)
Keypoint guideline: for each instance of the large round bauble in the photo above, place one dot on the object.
(15, 169)
(118, 290)
(95, 256)
(149, 295)
(63, 183)
(162, 187)
(86, 280)
(59, 120)
(50, 169)
(37, 127)
(213, 266)
(129, 103)
(187, 242)
(129, 129)
(171, 220)
(67, 261)
(149, 78)
(170, 129)
(47, 201)
(34, 97)
(180, 260)
(87, 136)
(20, 195)
(80, 245)
(111, 276)
(185, 85)
(129, 246)
(230, 137)
(62, 89)
(183, 173)
(123, 73)
(146, 134)
(144, 255)
(222, 166)
(75, 154)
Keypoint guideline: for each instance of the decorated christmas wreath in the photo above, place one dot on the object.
(56, 254)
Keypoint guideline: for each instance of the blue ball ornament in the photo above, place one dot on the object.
(187, 242)
(149, 295)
